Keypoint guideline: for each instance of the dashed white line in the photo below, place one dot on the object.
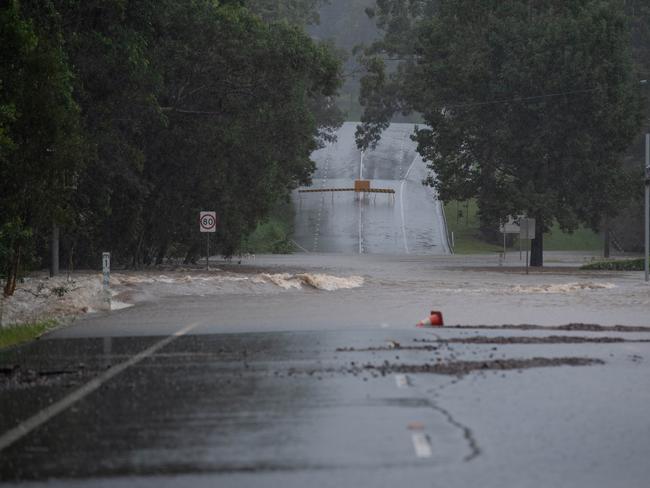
(401, 380)
(422, 445)
(401, 204)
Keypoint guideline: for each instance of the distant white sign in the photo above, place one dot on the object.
(527, 229)
(511, 226)
(208, 221)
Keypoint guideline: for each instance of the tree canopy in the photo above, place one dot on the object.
(528, 105)
(121, 120)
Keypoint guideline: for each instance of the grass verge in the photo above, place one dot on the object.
(274, 235)
(617, 265)
(463, 222)
(17, 334)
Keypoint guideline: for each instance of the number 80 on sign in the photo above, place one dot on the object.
(208, 221)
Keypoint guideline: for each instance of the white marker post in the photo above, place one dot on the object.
(106, 269)
(527, 232)
(106, 281)
(208, 225)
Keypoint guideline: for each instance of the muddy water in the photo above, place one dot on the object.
(325, 292)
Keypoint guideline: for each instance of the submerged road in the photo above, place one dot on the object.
(410, 222)
(307, 370)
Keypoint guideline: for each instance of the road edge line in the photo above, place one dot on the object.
(35, 421)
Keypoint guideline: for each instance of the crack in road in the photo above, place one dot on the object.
(468, 434)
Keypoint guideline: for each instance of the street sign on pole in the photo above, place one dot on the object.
(511, 226)
(208, 225)
(208, 222)
(527, 229)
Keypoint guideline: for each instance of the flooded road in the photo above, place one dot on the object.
(308, 369)
(409, 222)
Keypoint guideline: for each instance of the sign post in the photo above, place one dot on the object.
(208, 225)
(647, 208)
(106, 280)
(106, 269)
(527, 232)
(511, 226)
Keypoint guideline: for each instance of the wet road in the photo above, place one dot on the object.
(328, 409)
(410, 222)
(307, 370)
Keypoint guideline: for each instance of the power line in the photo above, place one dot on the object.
(520, 99)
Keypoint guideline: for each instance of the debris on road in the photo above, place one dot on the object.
(461, 368)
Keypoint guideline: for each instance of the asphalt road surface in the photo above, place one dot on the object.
(344, 408)
(410, 222)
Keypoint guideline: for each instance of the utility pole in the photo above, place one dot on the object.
(647, 205)
(646, 222)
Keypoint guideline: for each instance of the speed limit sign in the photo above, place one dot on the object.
(208, 221)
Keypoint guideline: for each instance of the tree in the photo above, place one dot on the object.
(182, 106)
(39, 135)
(241, 124)
(528, 105)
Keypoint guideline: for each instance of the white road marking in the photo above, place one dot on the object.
(422, 445)
(401, 204)
(24, 428)
(401, 380)
(360, 226)
(361, 166)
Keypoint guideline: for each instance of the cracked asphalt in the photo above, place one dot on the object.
(436, 407)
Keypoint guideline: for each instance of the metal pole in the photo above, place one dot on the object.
(54, 251)
(527, 246)
(647, 204)
(207, 254)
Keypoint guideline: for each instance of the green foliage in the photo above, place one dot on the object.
(121, 119)
(463, 219)
(274, 235)
(17, 334)
(14, 237)
(40, 138)
(617, 265)
(528, 106)
(580, 239)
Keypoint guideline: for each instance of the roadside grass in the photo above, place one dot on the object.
(17, 334)
(580, 240)
(462, 220)
(617, 265)
(274, 235)
(463, 224)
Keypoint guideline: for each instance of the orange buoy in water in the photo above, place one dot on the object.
(434, 320)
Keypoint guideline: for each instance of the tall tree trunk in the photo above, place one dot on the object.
(162, 252)
(192, 255)
(537, 244)
(606, 238)
(12, 275)
(54, 251)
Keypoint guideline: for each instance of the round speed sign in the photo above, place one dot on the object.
(208, 221)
